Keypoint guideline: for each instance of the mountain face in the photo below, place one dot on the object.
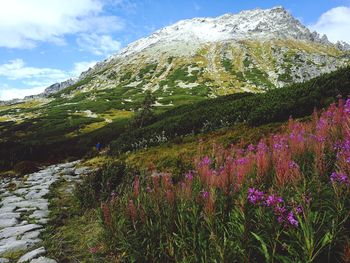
(252, 51)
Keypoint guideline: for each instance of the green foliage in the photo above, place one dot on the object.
(97, 187)
(148, 69)
(227, 64)
(145, 114)
(275, 105)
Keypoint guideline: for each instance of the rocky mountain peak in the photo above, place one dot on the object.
(256, 24)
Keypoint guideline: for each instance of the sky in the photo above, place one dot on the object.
(47, 41)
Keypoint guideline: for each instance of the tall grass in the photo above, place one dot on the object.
(285, 199)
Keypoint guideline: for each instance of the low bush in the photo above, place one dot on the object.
(98, 187)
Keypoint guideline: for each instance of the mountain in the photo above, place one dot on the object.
(252, 51)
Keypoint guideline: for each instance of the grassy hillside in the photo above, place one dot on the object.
(277, 105)
(69, 128)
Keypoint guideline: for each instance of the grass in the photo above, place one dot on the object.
(70, 235)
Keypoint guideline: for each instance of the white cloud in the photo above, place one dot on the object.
(34, 80)
(7, 93)
(17, 70)
(98, 44)
(335, 23)
(23, 23)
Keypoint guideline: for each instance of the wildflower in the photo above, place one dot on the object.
(132, 210)
(206, 161)
(339, 178)
(298, 209)
(292, 221)
(189, 176)
(136, 186)
(255, 196)
(205, 194)
(293, 165)
(148, 189)
(93, 250)
(251, 147)
(273, 200)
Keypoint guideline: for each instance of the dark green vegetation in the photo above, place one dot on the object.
(44, 138)
(276, 105)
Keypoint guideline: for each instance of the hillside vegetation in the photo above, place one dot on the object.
(284, 198)
(67, 130)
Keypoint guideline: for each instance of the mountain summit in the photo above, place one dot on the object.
(258, 24)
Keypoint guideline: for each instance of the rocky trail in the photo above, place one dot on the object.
(24, 212)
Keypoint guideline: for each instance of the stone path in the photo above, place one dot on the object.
(24, 211)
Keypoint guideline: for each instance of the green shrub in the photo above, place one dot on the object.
(97, 187)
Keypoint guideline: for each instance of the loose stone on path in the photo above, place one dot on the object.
(24, 211)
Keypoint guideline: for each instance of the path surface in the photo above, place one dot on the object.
(24, 212)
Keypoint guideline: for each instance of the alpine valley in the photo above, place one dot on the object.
(212, 140)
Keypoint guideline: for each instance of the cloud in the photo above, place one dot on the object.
(17, 70)
(335, 23)
(98, 44)
(24, 23)
(7, 93)
(33, 79)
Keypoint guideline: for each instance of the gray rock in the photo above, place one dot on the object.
(17, 230)
(82, 170)
(9, 215)
(43, 260)
(39, 214)
(8, 222)
(4, 260)
(7, 209)
(32, 254)
(31, 235)
(16, 245)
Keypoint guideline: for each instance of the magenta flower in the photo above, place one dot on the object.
(189, 176)
(206, 161)
(255, 196)
(292, 221)
(205, 194)
(273, 200)
(339, 178)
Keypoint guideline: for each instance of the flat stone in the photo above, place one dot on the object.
(9, 215)
(43, 260)
(31, 235)
(21, 191)
(17, 230)
(82, 170)
(39, 214)
(16, 245)
(32, 254)
(41, 204)
(4, 260)
(8, 222)
(11, 199)
(7, 209)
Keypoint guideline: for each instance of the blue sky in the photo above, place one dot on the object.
(45, 41)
